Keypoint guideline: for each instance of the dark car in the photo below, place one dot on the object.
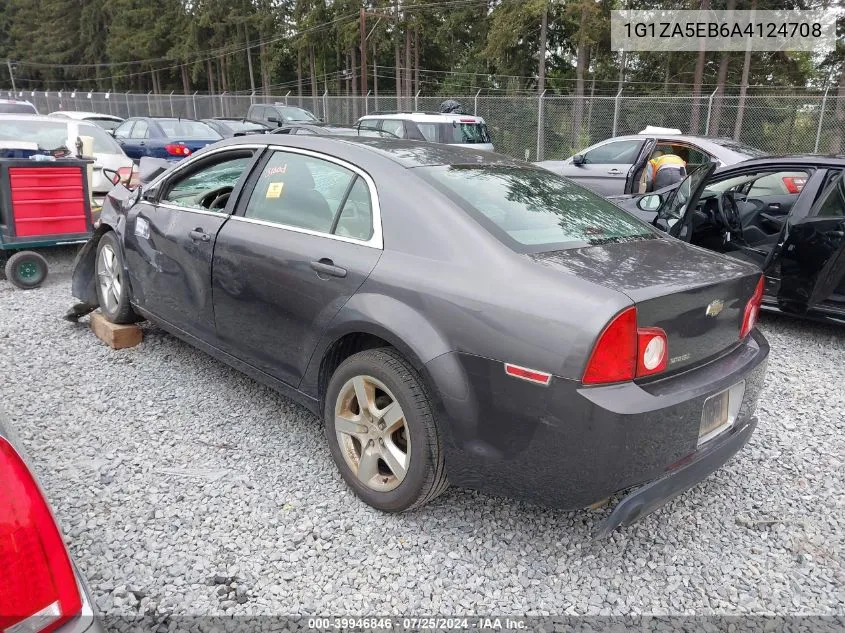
(163, 137)
(40, 587)
(227, 128)
(448, 312)
(786, 214)
(325, 129)
(276, 114)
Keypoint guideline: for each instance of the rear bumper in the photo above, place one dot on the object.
(569, 446)
(699, 466)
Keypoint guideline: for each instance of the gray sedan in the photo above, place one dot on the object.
(617, 166)
(453, 316)
(40, 588)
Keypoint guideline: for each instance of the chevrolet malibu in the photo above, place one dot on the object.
(450, 314)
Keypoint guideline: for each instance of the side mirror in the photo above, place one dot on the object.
(112, 175)
(150, 168)
(149, 195)
(650, 202)
(578, 159)
(273, 119)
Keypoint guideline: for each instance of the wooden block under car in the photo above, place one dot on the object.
(113, 335)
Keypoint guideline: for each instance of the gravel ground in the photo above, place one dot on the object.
(184, 487)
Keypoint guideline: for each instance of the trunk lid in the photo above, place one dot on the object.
(697, 297)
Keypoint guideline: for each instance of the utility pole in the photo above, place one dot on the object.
(544, 24)
(363, 18)
(249, 59)
(11, 74)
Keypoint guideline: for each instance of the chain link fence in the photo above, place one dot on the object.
(532, 127)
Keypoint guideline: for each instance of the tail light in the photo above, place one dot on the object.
(752, 310)
(624, 351)
(177, 149)
(38, 590)
(794, 184)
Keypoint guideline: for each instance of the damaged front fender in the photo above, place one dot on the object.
(84, 281)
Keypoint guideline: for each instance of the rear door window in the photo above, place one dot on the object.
(310, 193)
(141, 130)
(123, 130)
(533, 210)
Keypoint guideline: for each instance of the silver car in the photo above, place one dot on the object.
(617, 166)
(41, 588)
(47, 133)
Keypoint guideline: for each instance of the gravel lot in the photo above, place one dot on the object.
(184, 487)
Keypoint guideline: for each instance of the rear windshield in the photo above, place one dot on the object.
(466, 133)
(103, 142)
(739, 148)
(51, 135)
(17, 108)
(106, 124)
(533, 210)
(296, 114)
(242, 126)
(183, 129)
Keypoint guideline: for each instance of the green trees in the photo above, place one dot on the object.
(438, 48)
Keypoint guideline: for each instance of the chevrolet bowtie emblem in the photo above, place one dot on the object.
(715, 307)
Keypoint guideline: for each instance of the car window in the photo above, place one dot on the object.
(356, 217)
(186, 129)
(429, 131)
(533, 210)
(833, 200)
(466, 133)
(195, 189)
(299, 191)
(302, 130)
(692, 156)
(394, 126)
(46, 134)
(764, 183)
(106, 124)
(614, 153)
(140, 130)
(122, 130)
(103, 142)
(17, 108)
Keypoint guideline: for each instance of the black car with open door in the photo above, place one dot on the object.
(784, 214)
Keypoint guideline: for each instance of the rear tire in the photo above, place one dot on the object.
(111, 282)
(389, 452)
(26, 269)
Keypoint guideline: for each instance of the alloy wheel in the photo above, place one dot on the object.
(372, 433)
(109, 277)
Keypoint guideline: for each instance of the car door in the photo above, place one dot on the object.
(812, 254)
(170, 238)
(304, 239)
(135, 144)
(605, 167)
(122, 131)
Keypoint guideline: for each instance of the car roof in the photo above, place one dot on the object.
(422, 117)
(76, 114)
(44, 118)
(406, 153)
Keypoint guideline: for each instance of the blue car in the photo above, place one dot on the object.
(163, 137)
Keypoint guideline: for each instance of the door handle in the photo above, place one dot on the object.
(614, 171)
(199, 234)
(326, 266)
(774, 205)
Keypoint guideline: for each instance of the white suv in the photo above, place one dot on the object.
(452, 129)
